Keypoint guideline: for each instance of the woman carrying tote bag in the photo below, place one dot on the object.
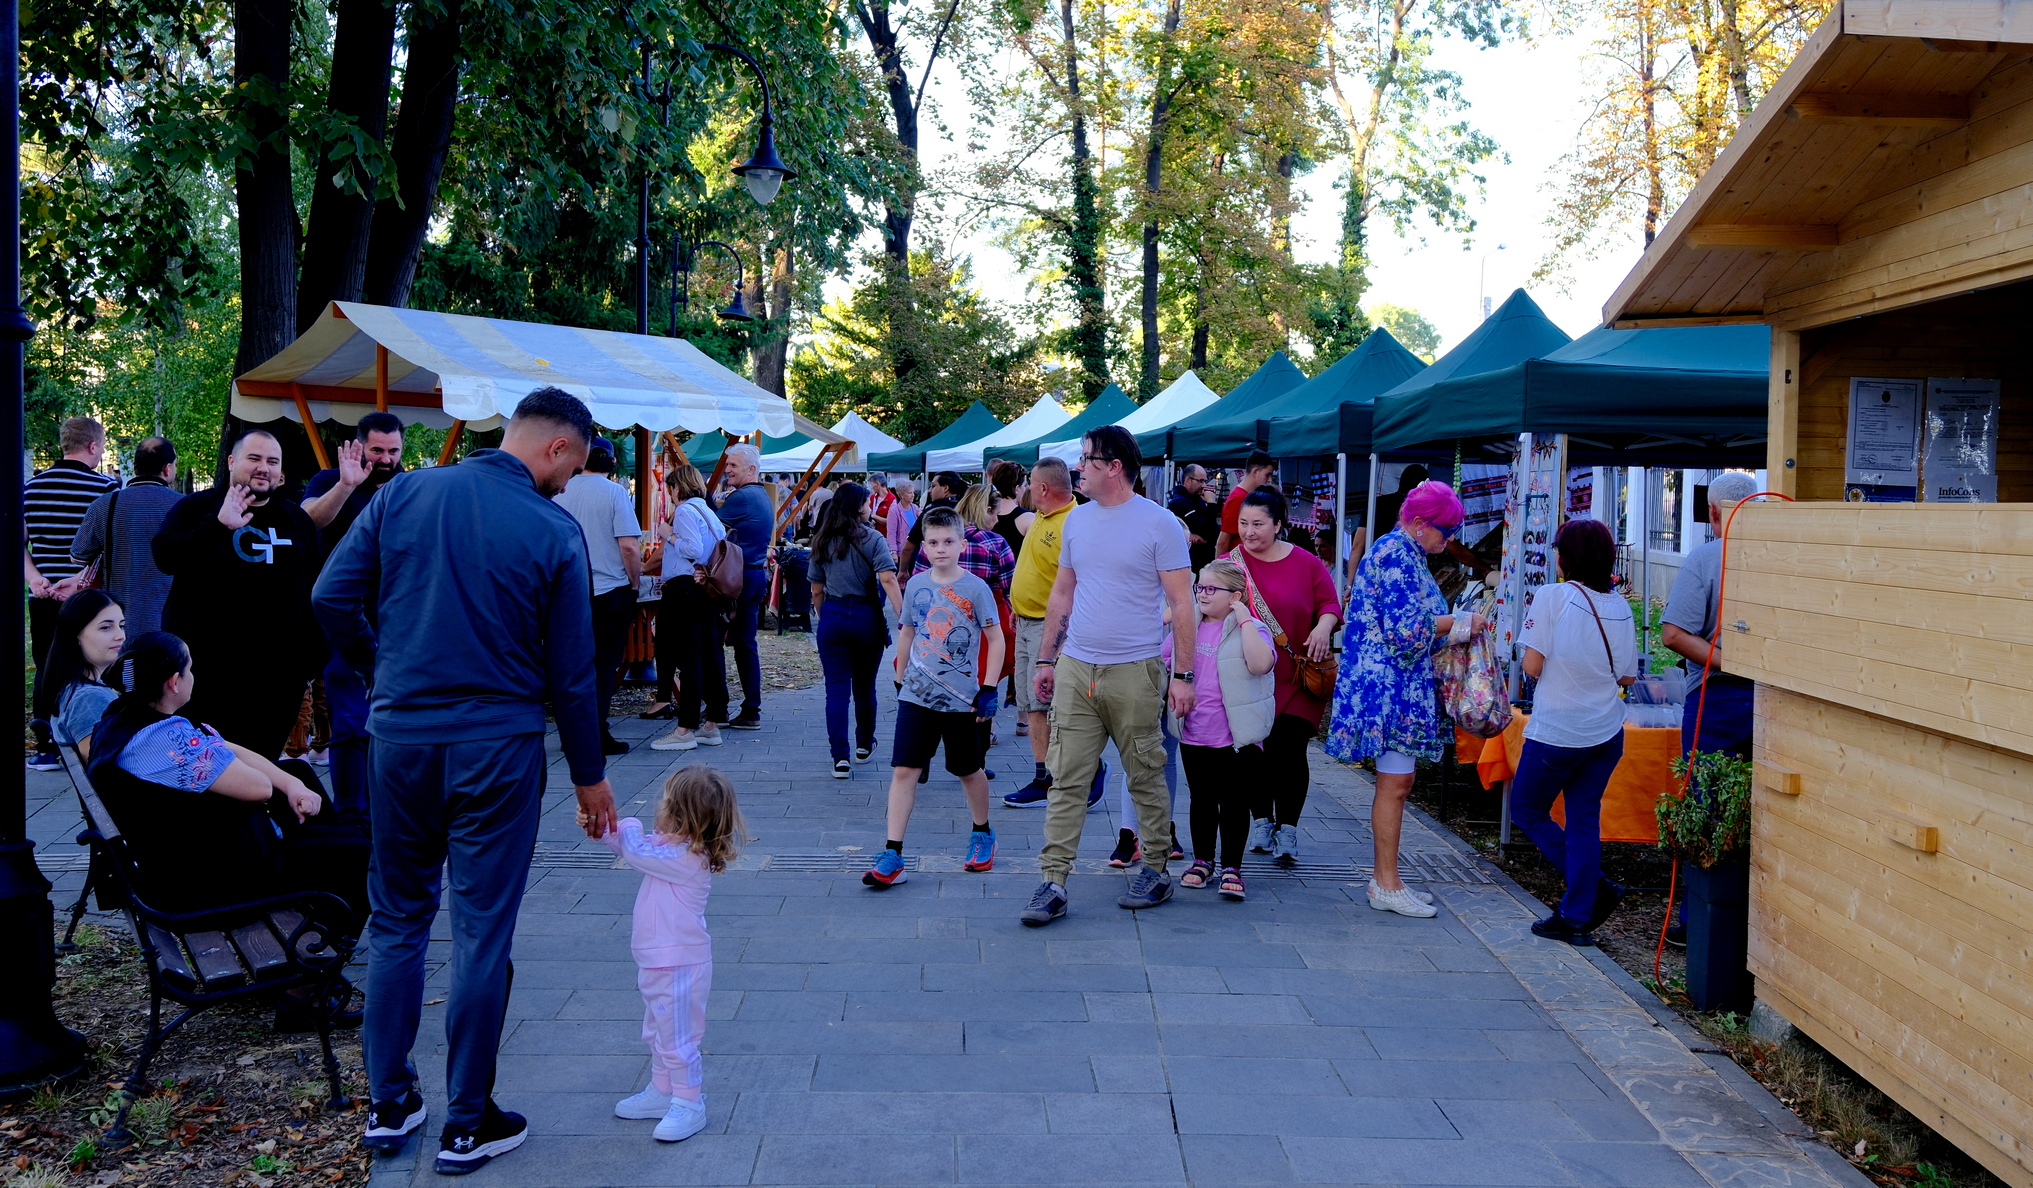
(1581, 646)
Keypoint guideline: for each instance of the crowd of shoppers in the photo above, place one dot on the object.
(1159, 630)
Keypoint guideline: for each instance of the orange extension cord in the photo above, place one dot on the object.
(1700, 707)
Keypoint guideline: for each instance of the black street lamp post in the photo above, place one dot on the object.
(681, 282)
(34, 1046)
(764, 173)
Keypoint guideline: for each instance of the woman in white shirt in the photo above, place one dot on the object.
(688, 651)
(1581, 646)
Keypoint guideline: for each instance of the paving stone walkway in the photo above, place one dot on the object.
(921, 1035)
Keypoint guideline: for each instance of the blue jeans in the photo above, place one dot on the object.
(1725, 729)
(1544, 772)
(851, 638)
(346, 694)
(1725, 720)
(741, 635)
(476, 804)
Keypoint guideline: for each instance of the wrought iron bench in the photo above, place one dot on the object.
(200, 959)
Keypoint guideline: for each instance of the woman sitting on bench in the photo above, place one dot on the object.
(252, 830)
(90, 629)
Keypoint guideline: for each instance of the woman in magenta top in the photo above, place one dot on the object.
(1297, 590)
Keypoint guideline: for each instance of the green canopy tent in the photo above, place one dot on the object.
(1106, 409)
(1277, 376)
(1517, 331)
(973, 425)
(1376, 366)
(703, 450)
(1673, 396)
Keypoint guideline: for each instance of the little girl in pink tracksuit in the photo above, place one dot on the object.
(698, 828)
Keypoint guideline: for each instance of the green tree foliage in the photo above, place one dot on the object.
(137, 380)
(1410, 328)
(965, 347)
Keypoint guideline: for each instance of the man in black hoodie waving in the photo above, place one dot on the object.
(463, 590)
(241, 561)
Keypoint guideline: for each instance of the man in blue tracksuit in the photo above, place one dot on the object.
(463, 591)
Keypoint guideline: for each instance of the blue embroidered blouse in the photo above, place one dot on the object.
(1384, 698)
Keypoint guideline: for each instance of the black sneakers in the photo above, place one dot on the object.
(1607, 896)
(1555, 928)
(746, 722)
(389, 1123)
(461, 1150)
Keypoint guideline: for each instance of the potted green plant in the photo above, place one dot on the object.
(1708, 832)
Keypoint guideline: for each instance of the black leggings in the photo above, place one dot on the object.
(1280, 794)
(1218, 779)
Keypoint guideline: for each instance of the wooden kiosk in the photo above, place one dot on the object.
(1877, 212)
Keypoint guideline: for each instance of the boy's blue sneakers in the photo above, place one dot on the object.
(980, 850)
(1100, 785)
(888, 870)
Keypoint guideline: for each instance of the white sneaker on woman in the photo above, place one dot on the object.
(1403, 901)
(677, 739)
(1421, 896)
(1260, 830)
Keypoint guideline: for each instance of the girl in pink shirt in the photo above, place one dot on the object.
(1233, 704)
(698, 828)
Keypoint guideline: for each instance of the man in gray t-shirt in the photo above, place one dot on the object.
(1692, 627)
(614, 549)
(1099, 665)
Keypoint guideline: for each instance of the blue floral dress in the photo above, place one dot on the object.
(1384, 698)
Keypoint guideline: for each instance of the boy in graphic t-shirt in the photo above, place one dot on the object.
(947, 638)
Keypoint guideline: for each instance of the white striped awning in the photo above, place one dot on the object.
(447, 367)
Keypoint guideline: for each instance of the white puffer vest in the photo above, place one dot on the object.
(1251, 700)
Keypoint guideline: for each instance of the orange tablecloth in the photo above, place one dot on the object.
(1627, 814)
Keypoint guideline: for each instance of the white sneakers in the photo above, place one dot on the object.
(683, 1120)
(677, 1119)
(678, 738)
(643, 1106)
(1404, 901)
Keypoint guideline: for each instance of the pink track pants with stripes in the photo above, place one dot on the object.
(673, 1023)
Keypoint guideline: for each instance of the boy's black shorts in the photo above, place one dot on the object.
(919, 731)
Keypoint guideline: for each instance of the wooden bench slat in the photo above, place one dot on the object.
(261, 951)
(217, 964)
(169, 958)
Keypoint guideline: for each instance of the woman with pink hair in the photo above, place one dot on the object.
(1385, 707)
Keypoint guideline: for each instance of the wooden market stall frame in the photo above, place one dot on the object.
(1876, 211)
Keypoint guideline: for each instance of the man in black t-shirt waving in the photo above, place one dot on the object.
(242, 562)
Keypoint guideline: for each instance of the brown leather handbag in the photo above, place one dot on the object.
(1314, 676)
(723, 576)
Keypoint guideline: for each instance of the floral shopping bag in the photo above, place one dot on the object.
(1472, 686)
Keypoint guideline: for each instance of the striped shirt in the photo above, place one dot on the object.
(53, 504)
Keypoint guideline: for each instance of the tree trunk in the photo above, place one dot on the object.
(883, 41)
(772, 358)
(1154, 155)
(261, 182)
(1083, 236)
(423, 135)
(335, 242)
(1281, 233)
(1655, 167)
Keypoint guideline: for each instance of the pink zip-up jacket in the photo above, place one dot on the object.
(670, 909)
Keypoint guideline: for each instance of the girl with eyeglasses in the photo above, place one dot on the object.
(1235, 700)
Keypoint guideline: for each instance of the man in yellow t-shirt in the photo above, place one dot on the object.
(1037, 568)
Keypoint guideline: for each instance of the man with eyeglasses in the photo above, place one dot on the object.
(1203, 525)
(1099, 665)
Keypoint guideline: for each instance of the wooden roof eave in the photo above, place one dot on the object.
(1737, 158)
